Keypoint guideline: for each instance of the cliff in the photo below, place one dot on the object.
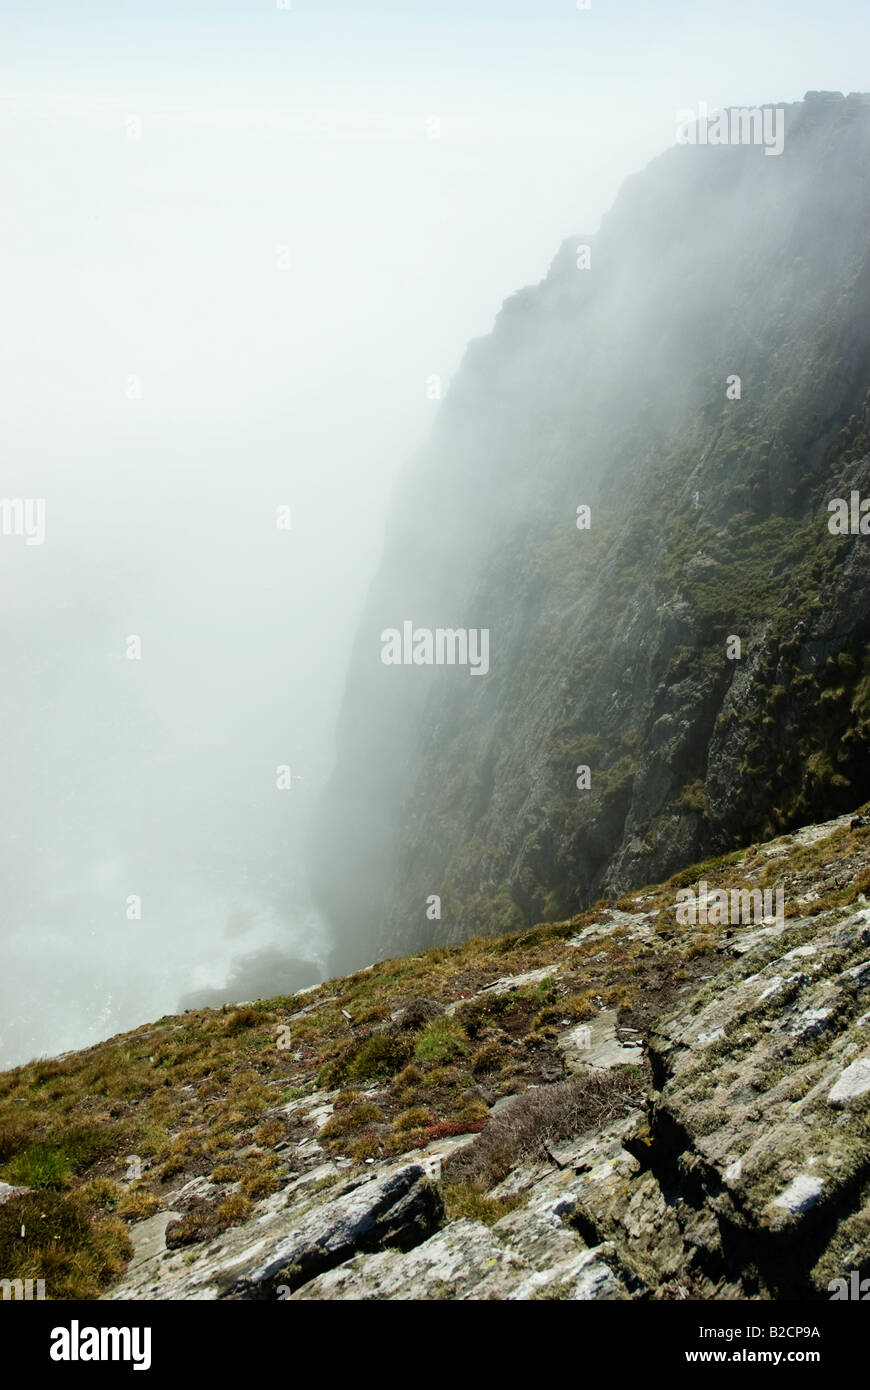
(613, 387)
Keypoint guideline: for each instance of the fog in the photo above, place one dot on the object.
(236, 248)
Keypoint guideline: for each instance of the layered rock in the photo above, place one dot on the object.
(734, 1163)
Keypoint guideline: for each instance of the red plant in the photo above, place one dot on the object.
(448, 1128)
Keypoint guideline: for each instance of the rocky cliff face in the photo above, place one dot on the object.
(613, 388)
(621, 1106)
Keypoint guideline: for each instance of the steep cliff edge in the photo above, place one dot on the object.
(613, 387)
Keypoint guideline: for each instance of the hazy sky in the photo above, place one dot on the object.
(235, 242)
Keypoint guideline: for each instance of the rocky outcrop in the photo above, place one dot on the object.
(7, 1191)
(716, 1148)
(513, 1260)
(290, 1242)
(762, 1111)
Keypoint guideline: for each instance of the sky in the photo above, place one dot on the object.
(237, 243)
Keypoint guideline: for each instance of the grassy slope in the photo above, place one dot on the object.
(211, 1092)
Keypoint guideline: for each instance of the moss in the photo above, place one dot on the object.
(469, 1110)
(469, 1201)
(369, 1145)
(418, 1117)
(409, 1076)
(228, 1172)
(571, 1008)
(202, 1223)
(137, 1204)
(709, 1120)
(379, 1055)
(848, 1248)
(64, 1152)
(347, 1121)
(240, 1019)
(442, 1041)
(39, 1165)
(258, 1183)
(102, 1193)
(234, 1210)
(490, 1057)
(271, 1132)
(693, 798)
(75, 1256)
